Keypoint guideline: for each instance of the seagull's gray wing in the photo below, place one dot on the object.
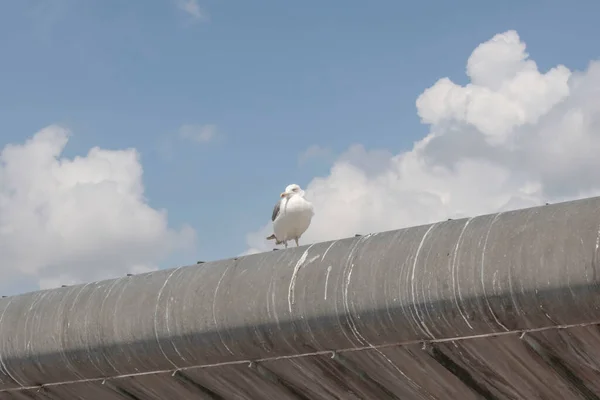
(276, 210)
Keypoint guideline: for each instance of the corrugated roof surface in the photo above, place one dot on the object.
(503, 306)
(562, 363)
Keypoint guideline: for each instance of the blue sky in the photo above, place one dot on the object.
(274, 77)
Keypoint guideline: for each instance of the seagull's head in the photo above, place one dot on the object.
(292, 190)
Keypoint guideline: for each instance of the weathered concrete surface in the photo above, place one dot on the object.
(430, 312)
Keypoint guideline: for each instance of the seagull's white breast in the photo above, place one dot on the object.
(294, 219)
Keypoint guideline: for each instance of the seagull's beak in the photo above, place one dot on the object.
(282, 195)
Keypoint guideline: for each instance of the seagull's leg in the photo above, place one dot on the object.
(285, 243)
(296, 240)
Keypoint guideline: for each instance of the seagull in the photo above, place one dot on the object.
(291, 215)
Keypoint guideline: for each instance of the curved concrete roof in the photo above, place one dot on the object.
(496, 306)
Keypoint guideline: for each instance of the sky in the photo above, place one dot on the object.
(144, 135)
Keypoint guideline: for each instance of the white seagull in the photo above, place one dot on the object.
(291, 215)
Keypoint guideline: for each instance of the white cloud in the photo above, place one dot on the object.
(513, 137)
(192, 8)
(313, 152)
(198, 133)
(64, 221)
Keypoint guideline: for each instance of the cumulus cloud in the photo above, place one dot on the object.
(513, 137)
(198, 133)
(192, 8)
(313, 152)
(64, 221)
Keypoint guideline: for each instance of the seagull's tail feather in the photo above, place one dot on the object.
(272, 237)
